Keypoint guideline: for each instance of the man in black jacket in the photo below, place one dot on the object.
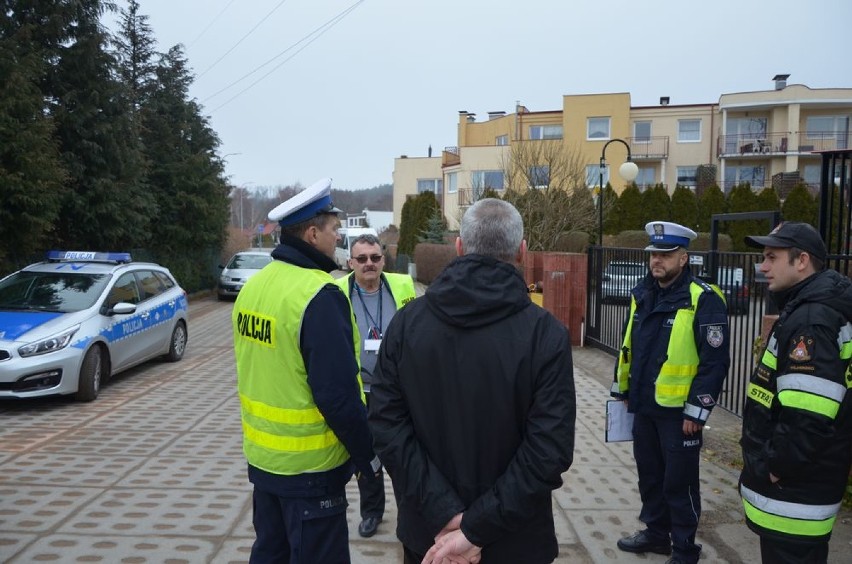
(473, 405)
(797, 420)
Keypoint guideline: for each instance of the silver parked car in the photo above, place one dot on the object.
(240, 268)
(67, 324)
(619, 277)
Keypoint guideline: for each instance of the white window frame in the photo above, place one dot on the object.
(452, 182)
(737, 170)
(681, 172)
(437, 185)
(598, 122)
(477, 179)
(680, 132)
(543, 132)
(593, 177)
(501, 140)
(546, 170)
(646, 169)
(644, 139)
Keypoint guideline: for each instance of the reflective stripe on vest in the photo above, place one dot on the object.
(283, 430)
(681, 365)
(787, 517)
(810, 393)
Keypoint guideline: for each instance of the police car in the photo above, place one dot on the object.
(67, 324)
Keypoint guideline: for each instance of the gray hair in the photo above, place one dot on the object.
(493, 228)
(366, 238)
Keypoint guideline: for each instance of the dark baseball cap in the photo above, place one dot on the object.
(791, 234)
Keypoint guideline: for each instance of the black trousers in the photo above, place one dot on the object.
(667, 463)
(372, 491)
(776, 551)
(300, 530)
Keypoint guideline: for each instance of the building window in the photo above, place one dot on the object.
(539, 176)
(502, 140)
(593, 177)
(482, 180)
(645, 176)
(545, 132)
(811, 174)
(736, 175)
(689, 130)
(686, 175)
(642, 132)
(452, 182)
(597, 128)
(829, 127)
(435, 185)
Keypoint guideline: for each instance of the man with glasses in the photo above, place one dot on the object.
(375, 297)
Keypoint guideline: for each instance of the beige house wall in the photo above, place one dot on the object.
(786, 111)
(406, 172)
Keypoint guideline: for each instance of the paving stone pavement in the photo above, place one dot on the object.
(153, 472)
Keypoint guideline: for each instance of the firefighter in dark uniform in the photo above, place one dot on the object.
(673, 362)
(797, 420)
(303, 414)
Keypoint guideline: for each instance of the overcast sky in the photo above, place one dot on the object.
(376, 79)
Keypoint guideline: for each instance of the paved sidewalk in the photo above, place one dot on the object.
(153, 471)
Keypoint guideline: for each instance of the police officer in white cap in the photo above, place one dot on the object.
(303, 414)
(673, 362)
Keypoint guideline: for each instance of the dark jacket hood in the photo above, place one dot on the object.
(475, 290)
(828, 287)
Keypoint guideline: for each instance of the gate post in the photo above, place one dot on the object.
(564, 285)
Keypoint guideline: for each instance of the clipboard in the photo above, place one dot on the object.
(619, 422)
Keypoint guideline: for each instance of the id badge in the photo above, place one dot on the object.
(372, 345)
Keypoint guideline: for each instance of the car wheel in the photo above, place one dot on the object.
(178, 343)
(91, 373)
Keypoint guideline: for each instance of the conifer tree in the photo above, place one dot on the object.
(767, 200)
(711, 202)
(742, 199)
(685, 207)
(31, 173)
(628, 213)
(656, 204)
(800, 205)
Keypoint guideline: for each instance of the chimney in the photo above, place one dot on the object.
(664, 100)
(780, 81)
(471, 117)
(495, 115)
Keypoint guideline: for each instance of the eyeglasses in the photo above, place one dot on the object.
(362, 259)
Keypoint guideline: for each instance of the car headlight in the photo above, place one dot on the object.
(51, 344)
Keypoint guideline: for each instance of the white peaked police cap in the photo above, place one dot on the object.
(667, 236)
(312, 201)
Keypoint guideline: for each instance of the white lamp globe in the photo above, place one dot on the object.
(628, 171)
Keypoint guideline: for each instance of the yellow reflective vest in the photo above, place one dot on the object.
(681, 365)
(401, 287)
(283, 430)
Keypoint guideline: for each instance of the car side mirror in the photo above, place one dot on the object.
(123, 308)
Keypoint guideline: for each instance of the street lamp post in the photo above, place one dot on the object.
(628, 171)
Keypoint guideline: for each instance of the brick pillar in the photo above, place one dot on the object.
(564, 285)
(533, 267)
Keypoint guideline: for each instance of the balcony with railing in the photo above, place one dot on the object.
(761, 145)
(648, 148)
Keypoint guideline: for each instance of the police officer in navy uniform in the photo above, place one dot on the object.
(302, 405)
(671, 368)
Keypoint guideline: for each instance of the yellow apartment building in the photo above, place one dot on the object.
(764, 137)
